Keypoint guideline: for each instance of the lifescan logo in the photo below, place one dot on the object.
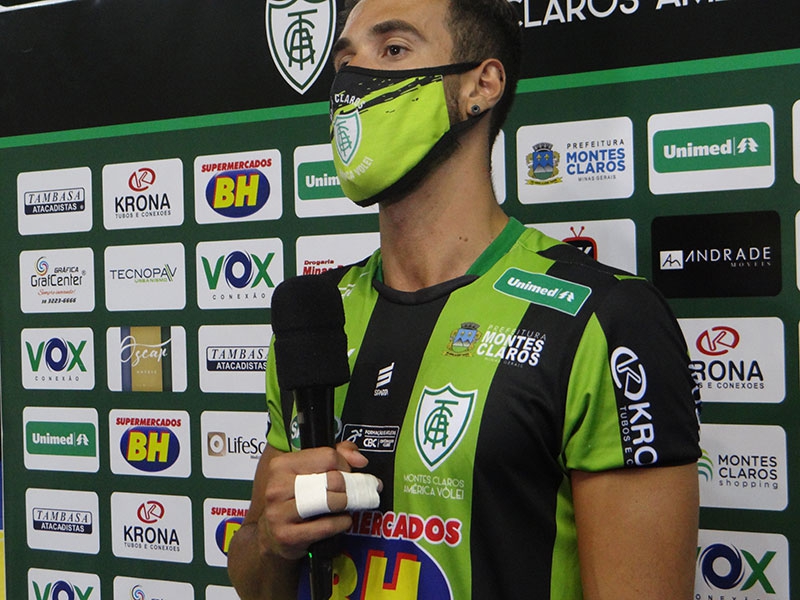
(300, 35)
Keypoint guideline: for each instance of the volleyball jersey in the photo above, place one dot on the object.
(475, 398)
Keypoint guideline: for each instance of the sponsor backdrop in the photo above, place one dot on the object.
(157, 195)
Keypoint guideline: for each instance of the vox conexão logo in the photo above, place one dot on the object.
(711, 150)
(58, 359)
(44, 584)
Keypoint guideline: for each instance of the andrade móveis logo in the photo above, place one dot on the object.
(737, 360)
(146, 359)
(717, 255)
(736, 565)
(243, 186)
(706, 150)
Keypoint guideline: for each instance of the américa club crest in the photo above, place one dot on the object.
(300, 35)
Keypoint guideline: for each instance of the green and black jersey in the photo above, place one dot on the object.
(473, 401)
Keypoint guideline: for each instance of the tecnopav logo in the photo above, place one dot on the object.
(719, 255)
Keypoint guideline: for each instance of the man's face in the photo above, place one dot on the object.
(395, 34)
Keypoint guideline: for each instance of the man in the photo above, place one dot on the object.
(534, 410)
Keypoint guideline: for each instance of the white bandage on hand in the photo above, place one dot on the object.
(311, 493)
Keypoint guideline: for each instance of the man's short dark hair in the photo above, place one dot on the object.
(481, 29)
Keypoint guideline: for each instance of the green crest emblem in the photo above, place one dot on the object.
(300, 35)
(442, 417)
(347, 135)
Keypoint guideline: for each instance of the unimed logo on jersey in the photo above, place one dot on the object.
(711, 150)
(62, 520)
(58, 359)
(146, 359)
(717, 255)
(56, 281)
(143, 194)
(610, 241)
(737, 359)
(221, 519)
(243, 186)
(743, 466)
(45, 584)
(154, 443)
(57, 201)
(151, 527)
(737, 565)
(61, 439)
(238, 274)
(233, 358)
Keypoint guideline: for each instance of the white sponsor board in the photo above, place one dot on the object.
(146, 359)
(151, 527)
(232, 443)
(153, 443)
(61, 439)
(62, 520)
(233, 358)
(221, 519)
(148, 277)
(58, 359)
(57, 280)
(56, 201)
(136, 588)
(46, 584)
(320, 253)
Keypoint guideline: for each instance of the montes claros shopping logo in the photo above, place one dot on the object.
(143, 194)
(58, 359)
(239, 273)
(45, 584)
(736, 565)
(717, 255)
(737, 360)
(300, 35)
(710, 150)
(243, 186)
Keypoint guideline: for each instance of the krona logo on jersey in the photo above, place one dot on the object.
(150, 449)
(240, 193)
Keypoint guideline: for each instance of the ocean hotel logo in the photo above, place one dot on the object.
(146, 359)
(712, 150)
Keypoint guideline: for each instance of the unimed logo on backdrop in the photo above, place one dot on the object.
(712, 150)
(61, 439)
(57, 201)
(738, 565)
(743, 466)
(237, 187)
(154, 443)
(46, 584)
(717, 255)
(737, 359)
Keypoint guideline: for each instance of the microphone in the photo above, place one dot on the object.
(310, 348)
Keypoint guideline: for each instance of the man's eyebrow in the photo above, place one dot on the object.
(381, 28)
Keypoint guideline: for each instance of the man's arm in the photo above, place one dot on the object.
(263, 557)
(637, 532)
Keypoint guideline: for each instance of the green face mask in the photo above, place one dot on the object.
(388, 128)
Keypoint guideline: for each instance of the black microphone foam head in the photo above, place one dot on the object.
(310, 344)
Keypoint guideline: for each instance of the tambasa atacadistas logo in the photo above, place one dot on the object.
(717, 255)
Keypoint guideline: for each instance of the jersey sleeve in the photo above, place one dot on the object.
(631, 399)
(276, 437)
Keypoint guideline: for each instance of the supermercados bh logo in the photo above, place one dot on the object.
(150, 277)
(244, 186)
(719, 255)
(44, 584)
(232, 443)
(611, 241)
(743, 466)
(442, 417)
(58, 359)
(146, 194)
(62, 520)
(579, 160)
(317, 191)
(154, 443)
(320, 253)
(737, 360)
(146, 359)
(238, 274)
(300, 35)
(221, 519)
(58, 201)
(736, 565)
(711, 150)
(233, 358)
(151, 527)
(537, 288)
(137, 588)
(61, 439)
(56, 281)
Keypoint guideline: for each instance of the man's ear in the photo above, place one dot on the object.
(482, 87)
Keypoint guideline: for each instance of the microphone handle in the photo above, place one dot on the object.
(316, 420)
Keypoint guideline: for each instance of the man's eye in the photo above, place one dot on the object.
(394, 50)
